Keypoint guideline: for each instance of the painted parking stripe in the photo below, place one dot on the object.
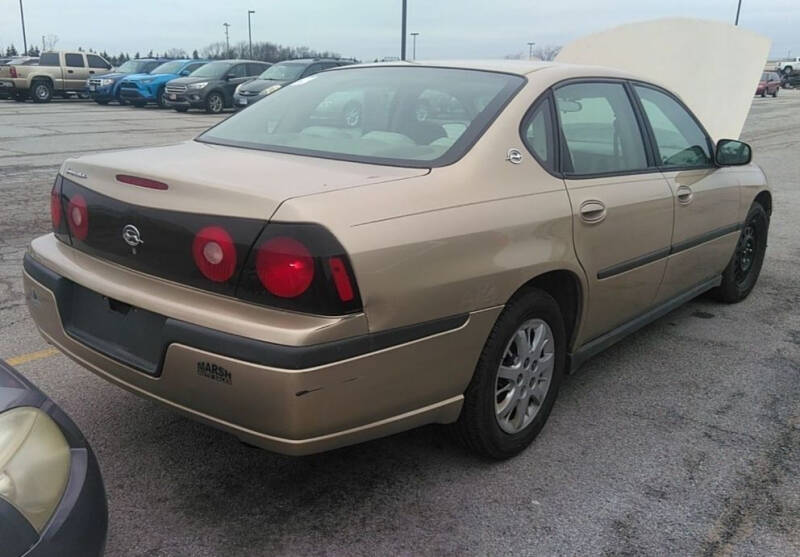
(33, 356)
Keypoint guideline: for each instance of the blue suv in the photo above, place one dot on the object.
(141, 89)
(105, 88)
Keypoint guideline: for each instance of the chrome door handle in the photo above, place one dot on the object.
(685, 195)
(593, 211)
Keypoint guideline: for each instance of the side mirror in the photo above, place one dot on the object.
(733, 153)
(229, 77)
(184, 73)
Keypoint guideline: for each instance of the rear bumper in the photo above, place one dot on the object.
(7, 87)
(289, 399)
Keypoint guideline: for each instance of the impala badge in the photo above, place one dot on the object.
(132, 237)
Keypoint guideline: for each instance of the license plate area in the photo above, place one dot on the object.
(130, 335)
(172, 96)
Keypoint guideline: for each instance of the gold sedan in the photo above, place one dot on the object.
(306, 279)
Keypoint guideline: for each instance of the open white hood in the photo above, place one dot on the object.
(714, 67)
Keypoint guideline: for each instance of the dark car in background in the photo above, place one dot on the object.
(52, 498)
(769, 84)
(280, 75)
(140, 89)
(104, 89)
(211, 87)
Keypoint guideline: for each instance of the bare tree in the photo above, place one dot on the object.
(546, 53)
(176, 53)
(50, 41)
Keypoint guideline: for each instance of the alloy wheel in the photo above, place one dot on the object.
(524, 375)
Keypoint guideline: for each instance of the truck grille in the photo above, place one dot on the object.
(95, 82)
(176, 88)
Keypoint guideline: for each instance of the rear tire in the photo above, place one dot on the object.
(138, 104)
(763, 93)
(41, 91)
(101, 102)
(741, 274)
(181, 109)
(486, 425)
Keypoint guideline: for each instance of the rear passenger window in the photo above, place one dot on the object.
(49, 59)
(192, 67)
(600, 129)
(537, 133)
(96, 62)
(239, 70)
(679, 139)
(74, 60)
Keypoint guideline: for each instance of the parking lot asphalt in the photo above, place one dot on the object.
(683, 439)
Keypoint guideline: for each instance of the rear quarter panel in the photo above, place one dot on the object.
(462, 238)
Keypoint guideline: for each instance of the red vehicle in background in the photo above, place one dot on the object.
(769, 84)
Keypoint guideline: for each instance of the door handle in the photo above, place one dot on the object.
(70, 71)
(685, 195)
(91, 71)
(593, 211)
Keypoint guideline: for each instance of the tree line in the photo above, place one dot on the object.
(264, 51)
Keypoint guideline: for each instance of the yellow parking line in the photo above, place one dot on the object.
(25, 358)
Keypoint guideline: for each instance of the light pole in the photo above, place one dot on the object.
(530, 50)
(227, 40)
(250, 32)
(402, 32)
(24, 40)
(738, 9)
(414, 45)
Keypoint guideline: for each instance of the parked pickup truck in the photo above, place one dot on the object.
(787, 67)
(59, 73)
(6, 85)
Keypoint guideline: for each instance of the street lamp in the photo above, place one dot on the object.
(738, 9)
(414, 46)
(24, 40)
(530, 50)
(402, 32)
(227, 40)
(250, 32)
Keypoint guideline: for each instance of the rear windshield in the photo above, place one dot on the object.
(402, 116)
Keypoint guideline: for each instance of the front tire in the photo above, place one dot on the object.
(104, 103)
(215, 104)
(181, 109)
(41, 91)
(517, 378)
(741, 274)
(775, 93)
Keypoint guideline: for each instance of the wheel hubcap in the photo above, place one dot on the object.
(41, 92)
(745, 252)
(352, 117)
(216, 104)
(524, 376)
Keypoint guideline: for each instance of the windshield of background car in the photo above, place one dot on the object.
(403, 116)
(213, 70)
(284, 72)
(169, 67)
(133, 66)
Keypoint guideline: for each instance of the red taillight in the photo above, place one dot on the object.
(12, 71)
(285, 267)
(142, 182)
(55, 208)
(341, 279)
(78, 217)
(214, 253)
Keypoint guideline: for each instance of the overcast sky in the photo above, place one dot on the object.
(369, 29)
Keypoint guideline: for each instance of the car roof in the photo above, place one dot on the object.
(525, 68)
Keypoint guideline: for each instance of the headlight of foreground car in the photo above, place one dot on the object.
(149, 80)
(106, 81)
(269, 90)
(197, 85)
(34, 463)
